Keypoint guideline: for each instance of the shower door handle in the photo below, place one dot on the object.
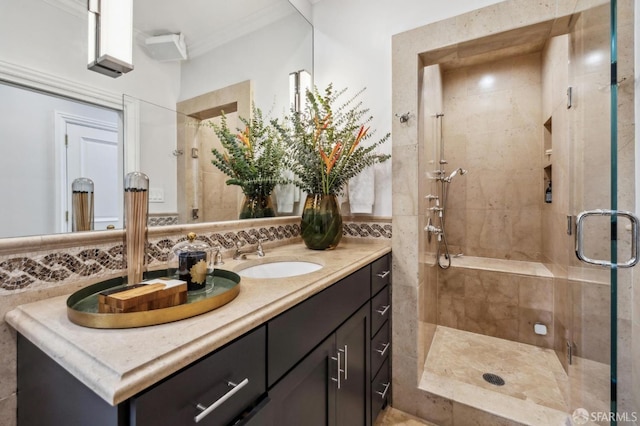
(580, 219)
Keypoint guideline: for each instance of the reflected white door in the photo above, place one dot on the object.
(92, 152)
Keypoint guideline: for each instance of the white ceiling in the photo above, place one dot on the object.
(205, 24)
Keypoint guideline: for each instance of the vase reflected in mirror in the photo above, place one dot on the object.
(257, 206)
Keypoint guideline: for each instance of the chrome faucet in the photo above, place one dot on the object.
(239, 254)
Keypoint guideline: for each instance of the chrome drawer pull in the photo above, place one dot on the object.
(207, 410)
(346, 361)
(384, 348)
(383, 310)
(340, 370)
(383, 274)
(383, 394)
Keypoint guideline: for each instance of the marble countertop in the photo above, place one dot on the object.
(118, 363)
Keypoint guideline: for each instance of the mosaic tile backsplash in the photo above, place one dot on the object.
(56, 266)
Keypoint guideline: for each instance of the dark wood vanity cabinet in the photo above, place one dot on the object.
(324, 361)
(49, 395)
(357, 352)
(380, 334)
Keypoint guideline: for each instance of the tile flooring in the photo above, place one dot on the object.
(536, 391)
(530, 372)
(392, 417)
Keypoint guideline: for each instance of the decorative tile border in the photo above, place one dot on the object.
(32, 267)
(162, 219)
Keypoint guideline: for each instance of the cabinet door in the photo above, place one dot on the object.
(306, 395)
(352, 344)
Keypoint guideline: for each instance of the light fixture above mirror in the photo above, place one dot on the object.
(110, 46)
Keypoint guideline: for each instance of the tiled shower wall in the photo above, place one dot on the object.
(492, 127)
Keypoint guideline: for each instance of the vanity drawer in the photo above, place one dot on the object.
(297, 331)
(380, 310)
(380, 348)
(174, 401)
(380, 391)
(380, 273)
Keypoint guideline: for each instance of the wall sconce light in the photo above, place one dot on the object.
(299, 83)
(110, 36)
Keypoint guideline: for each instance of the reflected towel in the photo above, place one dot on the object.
(362, 191)
(286, 195)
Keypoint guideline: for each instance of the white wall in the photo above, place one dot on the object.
(352, 48)
(266, 56)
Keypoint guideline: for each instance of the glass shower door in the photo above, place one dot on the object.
(597, 294)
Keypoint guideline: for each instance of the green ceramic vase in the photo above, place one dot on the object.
(321, 225)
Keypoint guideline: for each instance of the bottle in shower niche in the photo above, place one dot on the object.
(547, 193)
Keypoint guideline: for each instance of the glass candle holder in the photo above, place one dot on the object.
(82, 204)
(191, 261)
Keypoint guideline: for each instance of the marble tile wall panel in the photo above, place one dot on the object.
(492, 127)
(496, 304)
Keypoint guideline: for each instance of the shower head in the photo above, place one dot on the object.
(455, 172)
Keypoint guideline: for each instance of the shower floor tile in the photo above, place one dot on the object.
(537, 390)
(530, 373)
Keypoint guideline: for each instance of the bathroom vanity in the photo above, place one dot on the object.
(310, 349)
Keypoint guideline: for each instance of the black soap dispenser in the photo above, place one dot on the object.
(547, 194)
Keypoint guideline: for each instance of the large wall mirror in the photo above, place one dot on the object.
(60, 121)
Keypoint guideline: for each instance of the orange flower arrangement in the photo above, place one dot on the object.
(325, 143)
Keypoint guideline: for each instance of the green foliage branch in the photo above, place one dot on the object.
(253, 157)
(325, 141)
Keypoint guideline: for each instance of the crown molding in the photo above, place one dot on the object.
(36, 79)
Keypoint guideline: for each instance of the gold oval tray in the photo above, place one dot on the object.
(82, 306)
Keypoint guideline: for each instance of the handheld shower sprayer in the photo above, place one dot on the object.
(455, 172)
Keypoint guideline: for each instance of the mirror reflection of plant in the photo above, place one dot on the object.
(326, 146)
(252, 157)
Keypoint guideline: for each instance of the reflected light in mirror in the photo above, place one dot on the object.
(299, 83)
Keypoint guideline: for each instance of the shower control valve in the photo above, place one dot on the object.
(433, 230)
(432, 197)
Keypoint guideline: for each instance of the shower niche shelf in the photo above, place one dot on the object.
(547, 145)
(546, 160)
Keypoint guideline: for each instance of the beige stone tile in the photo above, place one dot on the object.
(405, 320)
(405, 171)
(451, 282)
(527, 319)
(464, 415)
(392, 417)
(8, 368)
(492, 287)
(451, 311)
(492, 319)
(535, 292)
(434, 408)
(8, 409)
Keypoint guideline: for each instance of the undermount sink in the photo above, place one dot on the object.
(279, 269)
